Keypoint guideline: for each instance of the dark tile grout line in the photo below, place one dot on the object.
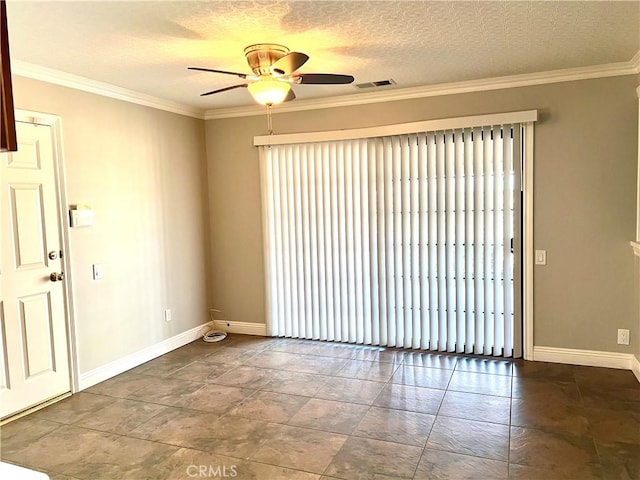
(179, 447)
(396, 366)
(456, 368)
(435, 415)
(335, 375)
(74, 425)
(426, 442)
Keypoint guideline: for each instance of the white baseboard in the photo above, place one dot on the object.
(105, 372)
(245, 328)
(635, 367)
(591, 358)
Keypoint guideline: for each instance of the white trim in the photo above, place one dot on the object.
(29, 116)
(398, 129)
(245, 328)
(77, 82)
(638, 172)
(636, 248)
(635, 367)
(105, 372)
(527, 243)
(591, 358)
(453, 88)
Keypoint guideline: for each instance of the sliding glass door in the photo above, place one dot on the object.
(408, 240)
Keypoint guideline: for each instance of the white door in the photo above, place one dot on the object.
(34, 361)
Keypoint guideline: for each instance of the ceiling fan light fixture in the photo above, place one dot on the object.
(269, 91)
(275, 68)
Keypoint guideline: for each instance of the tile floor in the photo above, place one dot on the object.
(264, 408)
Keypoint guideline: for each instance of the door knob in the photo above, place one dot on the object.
(55, 277)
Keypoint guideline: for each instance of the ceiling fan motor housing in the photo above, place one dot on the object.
(262, 55)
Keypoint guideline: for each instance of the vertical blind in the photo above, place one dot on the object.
(403, 240)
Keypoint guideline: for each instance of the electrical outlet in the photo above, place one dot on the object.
(623, 336)
(167, 315)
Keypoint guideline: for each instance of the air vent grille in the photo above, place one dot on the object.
(379, 83)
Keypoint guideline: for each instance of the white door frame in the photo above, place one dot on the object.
(527, 242)
(55, 122)
(638, 188)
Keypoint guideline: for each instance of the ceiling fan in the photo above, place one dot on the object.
(274, 71)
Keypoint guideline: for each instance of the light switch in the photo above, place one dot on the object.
(541, 257)
(98, 271)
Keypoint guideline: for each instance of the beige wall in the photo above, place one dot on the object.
(143, 171)
(146, 175)
(585, 170)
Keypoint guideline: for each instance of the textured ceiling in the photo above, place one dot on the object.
(147, 46)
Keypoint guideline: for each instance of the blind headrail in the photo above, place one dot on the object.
(524, 116)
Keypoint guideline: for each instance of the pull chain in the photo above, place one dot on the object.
(269, 119)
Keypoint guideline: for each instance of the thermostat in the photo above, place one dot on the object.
(80, 216)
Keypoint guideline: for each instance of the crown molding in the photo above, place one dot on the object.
(84, 84)
(512, 81)
(77, 82)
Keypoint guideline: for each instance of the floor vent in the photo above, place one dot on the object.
(379, 83)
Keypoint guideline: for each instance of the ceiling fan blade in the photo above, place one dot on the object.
(323, 78)
(241, 75)
(290, 96)
(243, 85)
(289, 63)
